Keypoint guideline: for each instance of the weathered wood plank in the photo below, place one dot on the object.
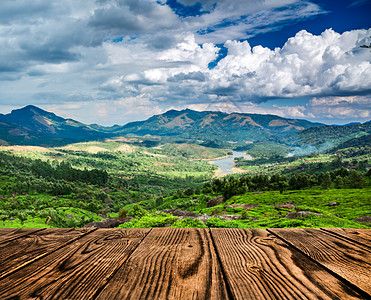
(344, 258)
(23, 250)
(361, 236)
(170, 263)
(9, 234)
(257, 265)
(76, 271)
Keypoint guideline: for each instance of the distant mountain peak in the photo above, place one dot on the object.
(29, 108)
(32, 125)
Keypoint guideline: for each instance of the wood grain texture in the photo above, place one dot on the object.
(76, 271)
(17, 253)
(170, 263)
(9, 234)
(346, 259)
(257, 265)
(360, 236)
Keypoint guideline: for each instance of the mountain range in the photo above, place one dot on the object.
(33, 126)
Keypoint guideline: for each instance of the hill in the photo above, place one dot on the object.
(34, 126)
(218, 127)
(330, 136)
(362, 141)
(262, 135)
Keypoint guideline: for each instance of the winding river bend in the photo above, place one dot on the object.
(226, 164)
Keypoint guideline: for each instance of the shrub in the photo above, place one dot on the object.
(137, 211)
(219, 223)
(189, 223)
(151, 220)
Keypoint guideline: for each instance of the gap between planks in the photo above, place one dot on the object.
(76, 271)
(258, 265)
(170, 263)
(230, 290)
(29, 248)
(360, 236)
(341, 257)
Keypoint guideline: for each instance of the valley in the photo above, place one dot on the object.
(184, 175)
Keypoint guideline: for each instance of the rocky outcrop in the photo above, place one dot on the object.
(214, 201)
(300, 214)
(180, 213)
(364, 219)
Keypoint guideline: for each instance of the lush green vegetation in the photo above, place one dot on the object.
(267, 149)
(352, 158)
(86, 182)
(96, 182)
(330, 135)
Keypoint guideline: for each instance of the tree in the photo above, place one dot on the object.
(293, 182)
(338, 182)
(356, 180)
(326, 180)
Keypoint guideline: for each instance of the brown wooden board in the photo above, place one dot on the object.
(346, 259)
(170, 263)
(8, 234)
(77, 271)
(361, 236)
(17, 253)
(257, 265)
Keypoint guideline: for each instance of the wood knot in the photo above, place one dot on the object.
(255, 269)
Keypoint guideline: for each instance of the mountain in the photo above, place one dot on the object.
(217, 126)
(33, 126)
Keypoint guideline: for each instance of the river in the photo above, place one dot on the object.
(226, 164)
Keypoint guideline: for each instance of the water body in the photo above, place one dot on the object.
(227, 164)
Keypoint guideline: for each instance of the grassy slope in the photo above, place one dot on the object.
(136, 173)
(353, 203)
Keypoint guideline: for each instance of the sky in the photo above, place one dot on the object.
(116, 61)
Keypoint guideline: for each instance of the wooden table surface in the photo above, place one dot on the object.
(185, 263)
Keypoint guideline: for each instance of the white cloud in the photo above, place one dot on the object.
(307, 65)
(340, 107)
(330, 64)
(318, 109)
(109, 112)
(54, 53)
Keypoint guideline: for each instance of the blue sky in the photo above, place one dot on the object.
(115, 61)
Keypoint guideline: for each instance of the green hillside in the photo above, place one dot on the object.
(333, 135)
(173, 185)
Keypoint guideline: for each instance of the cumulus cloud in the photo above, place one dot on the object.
(330, 64)
(307, 65)
(123, 51)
